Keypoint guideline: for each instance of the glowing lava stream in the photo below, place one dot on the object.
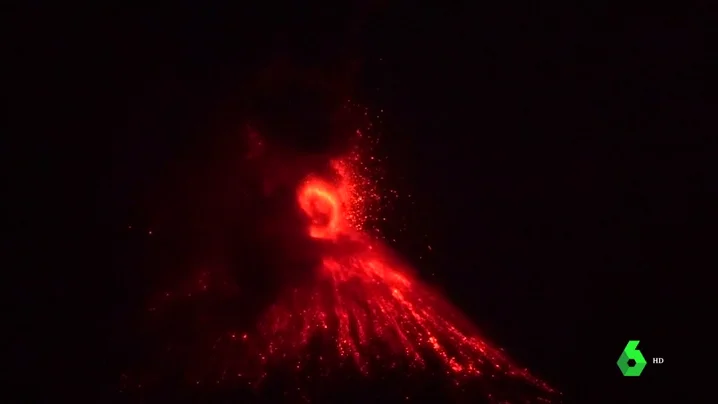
(364, 297)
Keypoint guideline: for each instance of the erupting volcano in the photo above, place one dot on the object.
(363, 307)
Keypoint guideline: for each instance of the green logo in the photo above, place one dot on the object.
(630, 352)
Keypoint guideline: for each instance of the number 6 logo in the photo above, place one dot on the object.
(630, 352)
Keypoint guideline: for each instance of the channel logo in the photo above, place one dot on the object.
(631, 362)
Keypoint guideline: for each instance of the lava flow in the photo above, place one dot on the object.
(363, 307)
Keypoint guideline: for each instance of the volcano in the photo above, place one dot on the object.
(355, 320)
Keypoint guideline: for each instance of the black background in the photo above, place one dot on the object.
(556, 158)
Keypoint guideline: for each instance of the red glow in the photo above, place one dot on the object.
(363, 305)
(323, 204)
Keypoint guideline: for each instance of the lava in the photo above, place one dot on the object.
(363, 306)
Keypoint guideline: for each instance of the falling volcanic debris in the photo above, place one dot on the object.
(362, 307)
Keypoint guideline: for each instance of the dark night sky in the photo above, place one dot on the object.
(554, 155)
